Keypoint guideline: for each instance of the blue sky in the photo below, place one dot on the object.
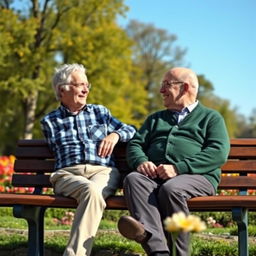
(220, 38)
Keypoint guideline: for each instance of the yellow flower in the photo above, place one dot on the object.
(198, 225)
(180, 222)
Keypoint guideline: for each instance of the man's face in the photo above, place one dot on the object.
(171, 91)
(75, 98)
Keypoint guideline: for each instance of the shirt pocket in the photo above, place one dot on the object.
(97, 132)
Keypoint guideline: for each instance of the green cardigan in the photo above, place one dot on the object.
(199, 144)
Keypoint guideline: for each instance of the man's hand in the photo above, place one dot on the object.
(148, 169)
(166, 171)
(107, 145)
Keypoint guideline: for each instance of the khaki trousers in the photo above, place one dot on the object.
(89, 185)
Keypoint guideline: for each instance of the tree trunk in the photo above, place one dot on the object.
(30, 112)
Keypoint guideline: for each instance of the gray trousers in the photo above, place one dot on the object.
(151, 201)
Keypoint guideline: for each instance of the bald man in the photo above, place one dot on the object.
(176, 155)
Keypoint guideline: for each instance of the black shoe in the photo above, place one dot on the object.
(132, 229)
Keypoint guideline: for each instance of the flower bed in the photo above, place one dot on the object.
(235, 191)
(6, 171)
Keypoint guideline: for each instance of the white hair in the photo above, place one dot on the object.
(62, 77)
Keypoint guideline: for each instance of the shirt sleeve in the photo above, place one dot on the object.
(125, 131)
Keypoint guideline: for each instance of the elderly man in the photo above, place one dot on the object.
(82, 137)
(176, 155)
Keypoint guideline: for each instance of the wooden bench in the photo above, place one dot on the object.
(34, 162)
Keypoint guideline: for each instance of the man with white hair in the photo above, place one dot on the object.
(82, 137)
(176, 155)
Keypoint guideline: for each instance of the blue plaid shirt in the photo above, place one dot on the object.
(74, 139)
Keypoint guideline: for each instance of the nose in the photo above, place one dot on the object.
(162, 89)
(85, 89)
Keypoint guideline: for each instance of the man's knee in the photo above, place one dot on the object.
(169, 189)
(90, 191)
(132, 178)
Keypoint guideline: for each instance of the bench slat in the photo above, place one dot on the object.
(232, 166)
(240, 148)
(41, 152)
(227, 182)
(33, 152)
(44, 152)
(237, 182)
(40, 180)
(233, 142)
(214, 203)
(243, 141)
(242, 152)
(32, 165)
(39, 165)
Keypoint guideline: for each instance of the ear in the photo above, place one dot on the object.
(185, 87)
(61, 91)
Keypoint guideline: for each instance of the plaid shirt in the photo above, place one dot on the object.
(74, 139)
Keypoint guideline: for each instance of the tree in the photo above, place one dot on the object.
(208, 98)
(154, 52)
(41, 34)
(248, 127)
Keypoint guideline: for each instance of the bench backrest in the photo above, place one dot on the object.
(34, 163)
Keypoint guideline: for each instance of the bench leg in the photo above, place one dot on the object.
(240, 215)
(34, 215)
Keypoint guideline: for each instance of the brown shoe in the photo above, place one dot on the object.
(132, 229)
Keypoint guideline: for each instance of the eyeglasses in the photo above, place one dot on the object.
(168, 85)
(79, 85)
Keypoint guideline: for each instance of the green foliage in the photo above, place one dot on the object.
(251, 231)
(154, 52)
(110, 240)
(12, 222)
(13, 241)
(203, 247)
(116, 243)
(5, 211)
(223, 218)
(33, 41)
(108, 225)
(125, 67)
(114, 215)
(223, 106)
(113, 243)
(247, 127)
(56, 243)
(57, 212)
(209, 99)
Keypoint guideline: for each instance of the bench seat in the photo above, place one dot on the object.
(209, 203)
(34, 164)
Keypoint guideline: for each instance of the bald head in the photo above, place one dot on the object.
(185, 75)
(179, 88)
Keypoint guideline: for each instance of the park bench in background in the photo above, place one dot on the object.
(34, 162)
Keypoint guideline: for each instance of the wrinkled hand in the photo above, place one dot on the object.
(107, 145)
(166, 171)
(148, 169)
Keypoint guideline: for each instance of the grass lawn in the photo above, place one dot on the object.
(108, 242)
